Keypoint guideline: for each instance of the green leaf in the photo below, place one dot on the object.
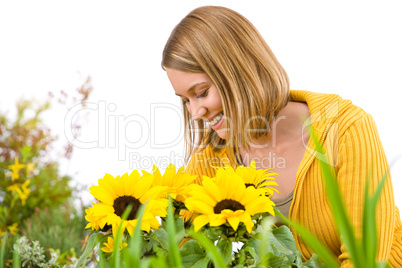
(251, 250)
(272, 260)
(213, 233)
(149, 246)
(180, 230)
(278, 241)
(325, 254)
(211, 250)
(383, 264)
(145, 263)
(159, 260)
(284, 243)
(162, 237)
(264, 230)
(116, 247)
(16, 258)
(191, 253)
(225, 248)
(93, 240)
(339, 212)
(241, 257)
(102, 262)
(3, 250)
(173, 245)
(369, 236)
(202, 263)
(133, 258)
(313, 262)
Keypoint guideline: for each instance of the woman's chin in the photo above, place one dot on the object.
(221, 133)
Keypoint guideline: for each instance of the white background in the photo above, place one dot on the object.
(350, 48)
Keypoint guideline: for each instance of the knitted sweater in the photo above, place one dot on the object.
(351, 144)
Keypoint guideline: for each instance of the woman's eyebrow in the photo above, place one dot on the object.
(192, 87)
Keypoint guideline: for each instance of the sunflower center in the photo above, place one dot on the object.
(249, 184)
(121, 203)
(228, 204)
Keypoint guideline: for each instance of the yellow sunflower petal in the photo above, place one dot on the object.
(127, 184)
(205, 196)
(158, 180)
(212, 188)
(169, 175)
(131, 226)
(200, 222)
(246, 219)
(143, 185)
(194, 204)
(120, 184)
(266, 183)
(234, 222)
(152, 193)
(109, 183)
(135, 175)
(217, 221)
(259, 205)
(102, 209)
(250, 195)
(102, 194)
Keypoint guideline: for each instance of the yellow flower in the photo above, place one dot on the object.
(23, 193)
(15, 169)
(117, 193)
(13, 228)
(175, 183)
(258, 178)
(30, 167)
(225, 198)
(94, 222)
(109, 245)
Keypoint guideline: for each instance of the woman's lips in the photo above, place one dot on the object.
(218, 125)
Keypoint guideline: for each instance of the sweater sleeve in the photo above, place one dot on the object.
(362, 156)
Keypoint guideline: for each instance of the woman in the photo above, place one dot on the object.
(238, 108)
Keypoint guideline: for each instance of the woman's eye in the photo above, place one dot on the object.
(203, 94)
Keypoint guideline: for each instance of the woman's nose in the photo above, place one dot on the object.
(198, 112)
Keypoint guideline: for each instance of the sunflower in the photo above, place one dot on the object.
(225, 198)
(109, 245)
(175, 183)
(94, 222)
(116, 194)
(258, 178)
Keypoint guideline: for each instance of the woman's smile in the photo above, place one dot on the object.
(201, 98)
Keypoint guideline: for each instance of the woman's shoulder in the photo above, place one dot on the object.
(329, 108)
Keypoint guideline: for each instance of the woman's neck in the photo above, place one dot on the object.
(286, 127)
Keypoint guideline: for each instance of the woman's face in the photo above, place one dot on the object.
(201, 98)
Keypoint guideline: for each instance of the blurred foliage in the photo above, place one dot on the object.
(61, 221)
(26, 144)
(62, 232)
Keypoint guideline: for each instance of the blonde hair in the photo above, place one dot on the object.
(252, 84)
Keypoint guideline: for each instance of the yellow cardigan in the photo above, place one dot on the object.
(351, 143)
